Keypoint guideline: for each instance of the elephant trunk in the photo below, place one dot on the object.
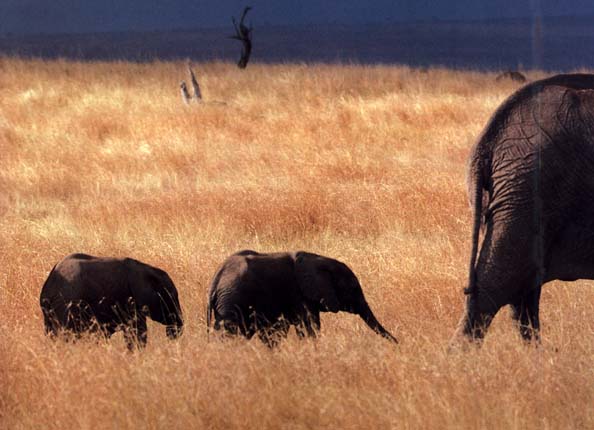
(365, 313)
(175, 328)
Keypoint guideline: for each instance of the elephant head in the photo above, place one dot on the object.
(333, 287)
(156, 296)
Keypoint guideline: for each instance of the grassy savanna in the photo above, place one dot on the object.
(363, 164)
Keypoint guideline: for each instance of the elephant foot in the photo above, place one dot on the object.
(530, 335)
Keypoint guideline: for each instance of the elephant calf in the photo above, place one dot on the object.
(88, 294)
(267, 293)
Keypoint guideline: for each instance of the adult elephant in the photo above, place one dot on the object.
(267, 293)
(88, 294)
(531, 183)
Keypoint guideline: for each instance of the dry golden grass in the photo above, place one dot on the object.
(364, 164)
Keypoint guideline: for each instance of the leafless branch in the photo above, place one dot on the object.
(184, 92)
(195, 86)
(243, 34)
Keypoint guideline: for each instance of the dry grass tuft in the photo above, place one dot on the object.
(364, 164)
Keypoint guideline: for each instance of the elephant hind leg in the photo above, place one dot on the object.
(525, 311)
(481, 307)
(520, 317)
(476, 322)
(272, 334)
(233, 324)
(50, 324)
(135, 333)
(308, 324)
(503, 272)
(234, 328)
(79, 318)
(55, 317)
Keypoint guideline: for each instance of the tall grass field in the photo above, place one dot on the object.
(365, 164)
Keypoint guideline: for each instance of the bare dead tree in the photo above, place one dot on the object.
(244, 35)
(184, 92)
(195, 86)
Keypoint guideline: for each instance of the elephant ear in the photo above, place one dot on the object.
(144, 287)
(314, 276)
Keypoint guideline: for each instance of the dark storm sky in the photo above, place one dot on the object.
(36, 16)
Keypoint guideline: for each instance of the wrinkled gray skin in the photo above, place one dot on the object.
(267, 293)
(89, 294)
(531, 183)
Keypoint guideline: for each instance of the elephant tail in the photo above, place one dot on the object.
(208, 317)
(211, 301)
(210, 309)
(475, 181)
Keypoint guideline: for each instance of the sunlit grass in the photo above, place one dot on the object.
(364, 164)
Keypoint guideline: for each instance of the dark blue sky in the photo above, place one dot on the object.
(38, 16)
